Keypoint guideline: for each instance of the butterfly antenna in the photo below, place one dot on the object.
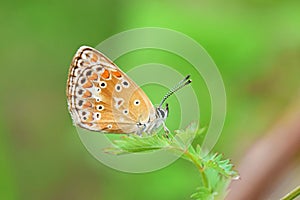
(177, 87)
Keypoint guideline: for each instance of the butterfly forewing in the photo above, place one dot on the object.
(103, 98)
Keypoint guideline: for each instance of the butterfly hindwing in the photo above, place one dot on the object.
(103, 98)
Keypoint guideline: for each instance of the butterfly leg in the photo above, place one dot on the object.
(167, 131)
(139, 133)
(141, 129)
(166, 128)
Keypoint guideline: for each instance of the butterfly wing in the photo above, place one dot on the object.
(103, 98)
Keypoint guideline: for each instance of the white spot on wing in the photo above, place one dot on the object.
(97, 99)
(125, 83)
(119, 102)
(118, 88)
(136, 102)
(125, 112)
(97, 115)
(109, 126)
(100, 107)
(102, 84)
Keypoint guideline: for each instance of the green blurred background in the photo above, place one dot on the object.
(255, 44)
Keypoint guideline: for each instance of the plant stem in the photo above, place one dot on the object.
(195, 160)
(293, 194)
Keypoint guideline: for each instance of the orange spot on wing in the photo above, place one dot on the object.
(94, 76)
(88, 84)
(87, 94)
(94, 58)
(89, 124)
(117, 74)
(87, 105)
(105, 74)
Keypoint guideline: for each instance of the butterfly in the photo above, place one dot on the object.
(101, 97)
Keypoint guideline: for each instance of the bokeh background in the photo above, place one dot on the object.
(255, 44)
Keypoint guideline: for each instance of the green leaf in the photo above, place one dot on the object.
(198, 150)
(203, 193)
(184, 138)
(134, 143)
(216, 172)
(222, 166)
(201, 131)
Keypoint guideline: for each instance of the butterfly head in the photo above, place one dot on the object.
(162, 113)
(153, 125)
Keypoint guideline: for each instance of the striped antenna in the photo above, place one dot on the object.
(177, 87)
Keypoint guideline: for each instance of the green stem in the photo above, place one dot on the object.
(195, 160)
(293, 194)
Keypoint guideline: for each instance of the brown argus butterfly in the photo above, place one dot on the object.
(103, 98)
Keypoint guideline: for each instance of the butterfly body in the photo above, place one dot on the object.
(101, 97)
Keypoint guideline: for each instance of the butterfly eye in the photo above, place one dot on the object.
(103, 84)
(140, 124)
(161, 113)
(136, 102)
(118, 88)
